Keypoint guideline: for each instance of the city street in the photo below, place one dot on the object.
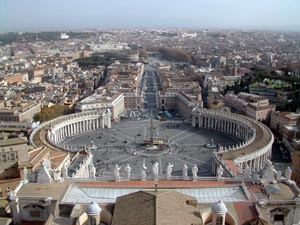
(150, 88)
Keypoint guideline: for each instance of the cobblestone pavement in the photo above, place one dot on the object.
(123, 143)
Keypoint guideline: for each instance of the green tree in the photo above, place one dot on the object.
(50, 113)
(143, 53)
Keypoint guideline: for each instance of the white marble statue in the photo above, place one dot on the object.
(25, 175)
(220, 171)
(64, 171)
(196, 109)
(288, 174)
(117, 172)
(185, 172)
(128, 171)
(92, 170)
(268, 173)
(143, 172)
(278, 175)
(56, 175)
(155, 171)
(169, 170)
(195, 171)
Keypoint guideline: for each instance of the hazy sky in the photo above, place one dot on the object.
(61, 14)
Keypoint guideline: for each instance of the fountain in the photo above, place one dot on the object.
(211, 145)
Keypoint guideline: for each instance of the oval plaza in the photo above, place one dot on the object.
(211, 139)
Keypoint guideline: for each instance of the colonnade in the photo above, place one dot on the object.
(253, 151)
(257, 163)
(225, 125)
(68, 126)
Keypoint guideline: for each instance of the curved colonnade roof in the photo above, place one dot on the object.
(262, 138)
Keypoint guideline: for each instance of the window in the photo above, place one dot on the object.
(3, 157)
(92, 221)
(219, 220)
(279, 218)
(35, 213)
(12, 156)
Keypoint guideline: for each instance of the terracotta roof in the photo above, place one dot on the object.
(161, 183)
(35, 156)
(56, 190)
(245, 211)
(155, 208)
(234, 168)
(56, 161)
(35, 152)
(137, 208)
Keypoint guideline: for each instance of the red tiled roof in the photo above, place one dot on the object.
(245, 211)
(234, 168)
(161, 183)
(34, 153)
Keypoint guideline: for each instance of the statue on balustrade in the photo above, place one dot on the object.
(128, 171)
(143, 172)
(169, 170)
(185, 172)
(195, 171)
(117, 172)
(64, 171)
(92, 171)
(288, 174)
(155, 170)
(25, 175)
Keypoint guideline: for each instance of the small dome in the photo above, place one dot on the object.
(93, 209)
(219, 208)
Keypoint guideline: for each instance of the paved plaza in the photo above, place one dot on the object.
(123, 144)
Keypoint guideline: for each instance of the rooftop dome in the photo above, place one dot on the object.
(219, 208)
(93, 209)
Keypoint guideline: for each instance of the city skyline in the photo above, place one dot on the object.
(31, 15)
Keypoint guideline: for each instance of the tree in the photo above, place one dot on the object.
(143, 53)
(50, 113)
(175, 54)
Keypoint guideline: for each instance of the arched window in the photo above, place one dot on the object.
(219, 220)
(3, 157)
(92, 221)
(12, 156)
